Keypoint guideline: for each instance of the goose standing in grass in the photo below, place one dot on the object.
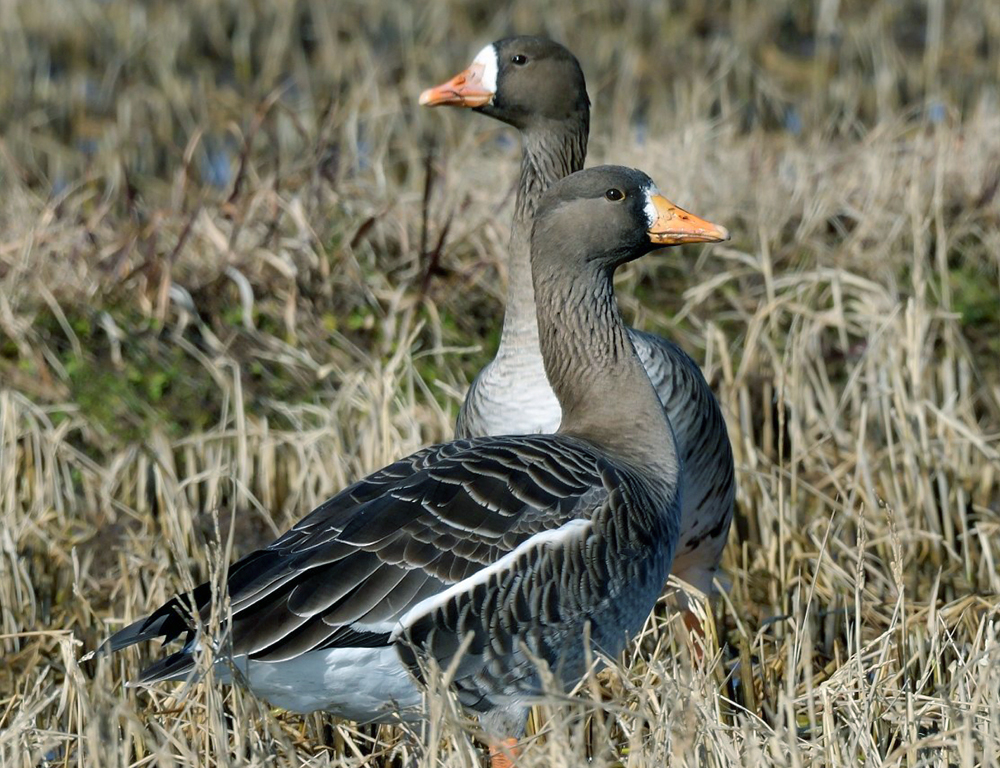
(510, 545)
(537, 86)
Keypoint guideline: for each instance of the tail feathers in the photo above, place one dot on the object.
(169, 621)
(148, 628)
(176, 666)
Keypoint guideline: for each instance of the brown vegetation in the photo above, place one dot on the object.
(240, 267)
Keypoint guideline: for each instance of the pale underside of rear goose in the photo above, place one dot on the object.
(517, 542)
(512, 394)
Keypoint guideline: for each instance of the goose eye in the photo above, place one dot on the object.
(614, 195)
(519, 58)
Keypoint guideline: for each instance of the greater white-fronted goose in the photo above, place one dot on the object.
(509, 544)
(537, 86)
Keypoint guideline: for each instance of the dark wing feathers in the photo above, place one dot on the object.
(365, 598)
(174, 667)
(706, 452)
(347, 572)
(314, 590)
(169, 621)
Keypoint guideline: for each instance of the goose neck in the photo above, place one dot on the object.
(550, 151)
(603, 390)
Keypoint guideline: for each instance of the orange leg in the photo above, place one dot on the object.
(697, 630)
(502, 755)
(693, 624)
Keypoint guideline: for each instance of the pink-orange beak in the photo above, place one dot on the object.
(465, 89)
(675, 226)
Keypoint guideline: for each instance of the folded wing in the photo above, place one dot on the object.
(346, 574)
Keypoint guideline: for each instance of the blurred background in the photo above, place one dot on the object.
(239, 267)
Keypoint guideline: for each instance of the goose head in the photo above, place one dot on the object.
(521, 81)
(607, 216)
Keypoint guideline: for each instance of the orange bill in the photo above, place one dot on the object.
(465, 89)
(672, 225)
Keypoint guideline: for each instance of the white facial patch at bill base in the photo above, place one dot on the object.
(651, 213)
(487, 59)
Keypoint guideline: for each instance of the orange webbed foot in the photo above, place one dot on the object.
(502, 755)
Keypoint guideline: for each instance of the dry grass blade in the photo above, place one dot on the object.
(233, 278)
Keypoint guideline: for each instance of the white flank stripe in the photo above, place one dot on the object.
(572, 529)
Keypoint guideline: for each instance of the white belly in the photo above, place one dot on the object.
(515, 398)
(529, 411)
(362, 684)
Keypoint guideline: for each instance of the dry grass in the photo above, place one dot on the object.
(239, 267)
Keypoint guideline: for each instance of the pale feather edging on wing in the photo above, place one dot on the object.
(576, 528)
